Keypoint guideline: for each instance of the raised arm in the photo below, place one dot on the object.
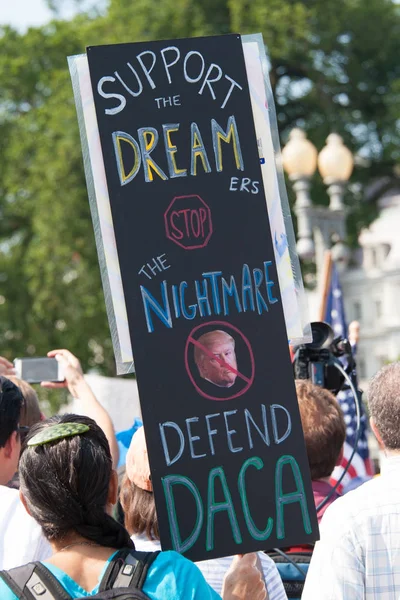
(80, 389)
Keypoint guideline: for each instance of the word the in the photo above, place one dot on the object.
(244, 185)
(168, 101)
(192, 65)
(212, 295)
(128, 164)
(226, 420)
(206, 509)
(157, 267)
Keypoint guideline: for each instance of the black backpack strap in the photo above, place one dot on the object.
(34, 582)
(127, 569)
(16, 579)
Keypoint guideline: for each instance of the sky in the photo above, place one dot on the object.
(22, 14)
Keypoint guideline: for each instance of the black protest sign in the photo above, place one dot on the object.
(225, 443)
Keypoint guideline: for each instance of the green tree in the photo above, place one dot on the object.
(334, 67)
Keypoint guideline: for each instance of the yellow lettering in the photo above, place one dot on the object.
(228, 136)
(172, 149)
(149, 164)
(118, 138)
(199, 154)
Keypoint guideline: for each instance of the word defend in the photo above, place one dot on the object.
(255, 426)
(168, 101)
(156, 266)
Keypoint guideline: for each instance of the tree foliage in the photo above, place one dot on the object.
(334, 67)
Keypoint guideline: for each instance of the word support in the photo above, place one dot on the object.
(130, 78)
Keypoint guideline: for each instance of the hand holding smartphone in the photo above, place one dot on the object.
(36, 370)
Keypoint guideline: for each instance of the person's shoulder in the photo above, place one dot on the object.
(5, 592)
(362, 495)
(171, 558)
(353, 505)
(20, 534)
(174, 577)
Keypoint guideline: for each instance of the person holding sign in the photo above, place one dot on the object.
(137, 500)
(68, 486)
(215, 358)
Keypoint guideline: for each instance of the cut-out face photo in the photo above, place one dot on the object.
(215, 358)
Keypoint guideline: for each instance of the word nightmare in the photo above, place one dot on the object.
(212, 295)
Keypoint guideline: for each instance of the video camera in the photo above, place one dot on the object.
(315, 360)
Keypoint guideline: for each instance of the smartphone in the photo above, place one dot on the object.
(36, 370)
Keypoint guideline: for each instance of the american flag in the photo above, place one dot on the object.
(361, 464)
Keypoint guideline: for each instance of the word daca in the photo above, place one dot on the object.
(225, 486)
(212, 295)
(208, 429)
(194, 71)
(129, 163)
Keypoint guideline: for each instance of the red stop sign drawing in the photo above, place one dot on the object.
(188, 222)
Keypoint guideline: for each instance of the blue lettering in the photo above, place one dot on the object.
(247, 288)
(230, 290)
(149, 302)
(269, 283)
(185, 313)
(212, 275)
(258, 278)
(202, 298)
(175, 299)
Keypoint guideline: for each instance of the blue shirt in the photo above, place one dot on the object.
(124, 439)
(170, 577)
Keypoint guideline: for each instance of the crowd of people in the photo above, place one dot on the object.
(62, 536)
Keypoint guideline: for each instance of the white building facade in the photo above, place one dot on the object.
(371, 290)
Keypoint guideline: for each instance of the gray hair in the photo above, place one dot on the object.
(384, 404)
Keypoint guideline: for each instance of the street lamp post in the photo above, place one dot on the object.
(335, 164)
(319, 227)
(299, 158)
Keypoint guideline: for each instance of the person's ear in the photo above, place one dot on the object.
(113, 488)
(376, 433)
(24, 502)
(12, 445)
(340, 457)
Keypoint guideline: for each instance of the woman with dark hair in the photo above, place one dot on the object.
(69, 487)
